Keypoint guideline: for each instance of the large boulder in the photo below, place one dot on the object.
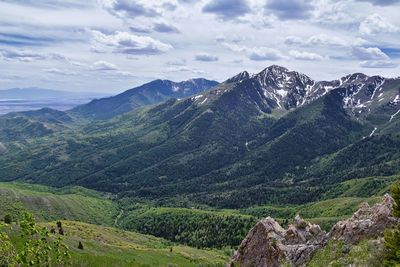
(269, 245)
(367, 222)
(262, 245)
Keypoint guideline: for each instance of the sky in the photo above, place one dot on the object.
(109, 46)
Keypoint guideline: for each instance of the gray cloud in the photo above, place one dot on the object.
(177, 62)
(205, 57)
(165, 28)
(140, 29)
(53, 4)
(227, 9)
(169, 6)
(290, 9)
(381, 2)
(129, 8)
(378, 64)
(21, 55)
(187, 1)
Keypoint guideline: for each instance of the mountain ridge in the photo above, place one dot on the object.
(150, 93)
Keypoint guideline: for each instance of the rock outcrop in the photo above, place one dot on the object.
(269, 245)
(367, 222)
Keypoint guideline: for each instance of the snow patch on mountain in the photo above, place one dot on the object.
(394, 115)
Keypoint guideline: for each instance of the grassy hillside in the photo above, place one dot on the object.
(46, 203)
(105, 246)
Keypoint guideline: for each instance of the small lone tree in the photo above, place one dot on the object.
(80, 245)
(60, 228)
(7, 219)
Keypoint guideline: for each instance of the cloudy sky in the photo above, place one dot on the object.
(111, 45)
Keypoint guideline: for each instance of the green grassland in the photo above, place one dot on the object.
(46, 203)
(106, 246)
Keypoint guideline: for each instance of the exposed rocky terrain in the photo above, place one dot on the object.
(268, 244)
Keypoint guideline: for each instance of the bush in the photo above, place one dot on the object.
(7, 219)
(37, 247)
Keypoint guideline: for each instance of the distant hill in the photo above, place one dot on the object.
(150, 93)
(34, 123)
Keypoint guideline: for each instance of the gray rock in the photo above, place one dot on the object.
(269, 245)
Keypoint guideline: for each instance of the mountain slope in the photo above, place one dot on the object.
(150, 93)
(254, 139)
(18, 126)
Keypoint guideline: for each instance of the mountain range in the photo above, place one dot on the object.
(277, 136)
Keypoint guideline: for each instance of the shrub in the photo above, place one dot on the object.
(37, 247)
(7, 219)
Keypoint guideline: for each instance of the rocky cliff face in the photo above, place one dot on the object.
(269, 245)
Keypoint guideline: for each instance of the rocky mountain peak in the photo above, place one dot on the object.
(286, 88)
(268, 244)
(239, 77)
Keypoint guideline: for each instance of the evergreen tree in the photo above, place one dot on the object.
(7, 219)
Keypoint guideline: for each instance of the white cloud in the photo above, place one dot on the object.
(323, 39)
(378, 64)
(334, 13)
(265, 53)
(316, 40)
(375, 24)
(103, 65)
(301, 55)
(186, 69)
(128, 43)
(205, 57)
(369, 53)
(60, 71)
(257, 53)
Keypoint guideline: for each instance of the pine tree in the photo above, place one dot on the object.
(7, 219)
